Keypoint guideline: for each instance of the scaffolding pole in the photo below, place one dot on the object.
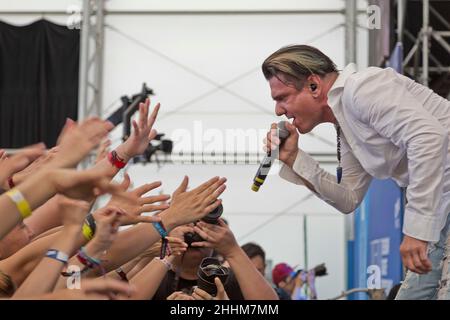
(422, 43)
(91, 60)
(350, 31)
(425, 40)
(401, 9)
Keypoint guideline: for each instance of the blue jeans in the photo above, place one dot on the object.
(435, 284)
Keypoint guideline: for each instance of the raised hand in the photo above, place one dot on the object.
(102, 150)
(73, 212)
(107, 221)
(135, 203)
(2, 154)
(179, 295)
(200, 294)
(190, 206)
(19, 161)
(177, 246)
(83, 185)
(77, 140)
(141, 134)
(218, 236)
(180, 231)
(35, 166)
(94, 289)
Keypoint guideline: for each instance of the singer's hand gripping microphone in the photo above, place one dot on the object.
(268, 160)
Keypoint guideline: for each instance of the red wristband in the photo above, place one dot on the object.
(115, 160)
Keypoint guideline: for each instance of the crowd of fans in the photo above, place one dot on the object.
(55, 245)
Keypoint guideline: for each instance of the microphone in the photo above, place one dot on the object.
(266, 163)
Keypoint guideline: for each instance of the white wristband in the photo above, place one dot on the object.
(57, 255)
(168, 265)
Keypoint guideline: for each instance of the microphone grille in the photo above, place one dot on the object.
(282, 131)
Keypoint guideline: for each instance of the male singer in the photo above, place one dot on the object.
(387, 126)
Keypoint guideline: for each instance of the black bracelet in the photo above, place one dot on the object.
(122, 274)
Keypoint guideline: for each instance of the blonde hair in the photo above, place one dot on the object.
(293, 64)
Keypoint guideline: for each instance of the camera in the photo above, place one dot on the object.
(209, 269)
(157, 146)
(319, 271)
(211, 218)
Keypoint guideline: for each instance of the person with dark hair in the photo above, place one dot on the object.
(219, 236)
(256, 255)
(290, 284)
(387, 126)
(280, 274)
(183, 273)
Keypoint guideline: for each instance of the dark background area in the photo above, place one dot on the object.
(38, 82)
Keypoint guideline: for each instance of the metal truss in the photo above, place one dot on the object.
(91, 60)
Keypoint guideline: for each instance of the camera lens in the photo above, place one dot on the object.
(166, 146)
(209, 269)
(191, 237)
(213, 216)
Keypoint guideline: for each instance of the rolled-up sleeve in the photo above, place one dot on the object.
(389, 108)
(345, 196)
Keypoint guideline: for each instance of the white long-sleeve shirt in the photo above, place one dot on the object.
(391, 127)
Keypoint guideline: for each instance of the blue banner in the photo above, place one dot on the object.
(378, 235)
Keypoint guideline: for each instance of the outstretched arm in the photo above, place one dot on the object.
(251, 282)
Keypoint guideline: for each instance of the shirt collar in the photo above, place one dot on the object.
(334, 94)
(343, 76)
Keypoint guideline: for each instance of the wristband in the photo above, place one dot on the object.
(21, 203)
(82, 255)
(115, 160)
(57, 255)
(88, 261)
(122, 274)
(165, 247)
(87, 232)
(161, 229)
(168, 265)
(89, 227)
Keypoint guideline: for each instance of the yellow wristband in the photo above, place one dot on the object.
(21, 203)
(87, 232)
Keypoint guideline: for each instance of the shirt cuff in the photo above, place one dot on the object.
(421, 227)
(304, 167)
